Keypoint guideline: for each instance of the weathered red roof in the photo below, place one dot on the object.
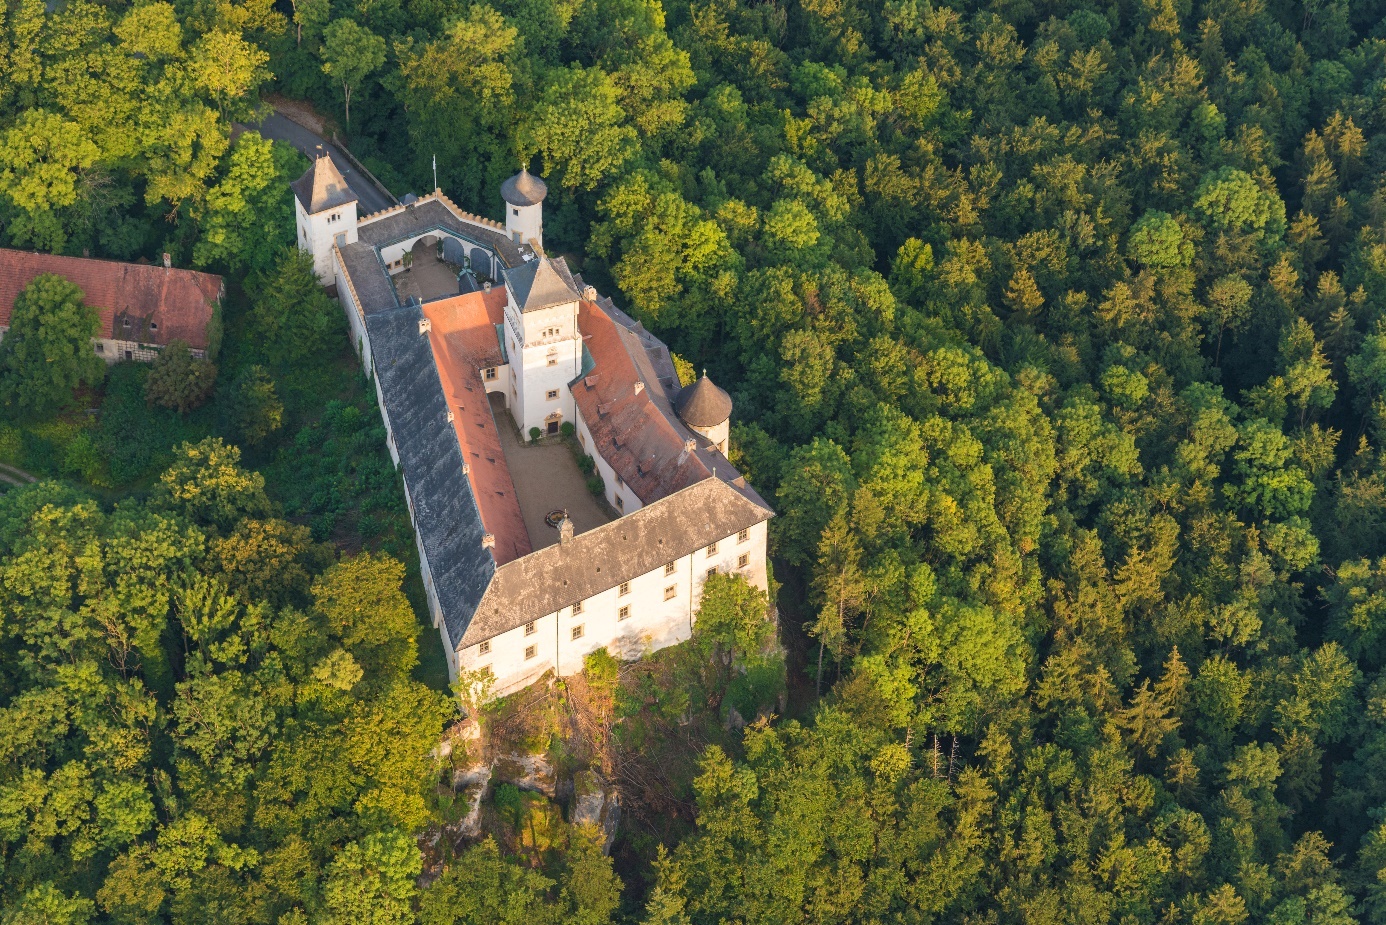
(162, 305)
(631, 432)
(464, 341)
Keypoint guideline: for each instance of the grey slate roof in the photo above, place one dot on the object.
(552, 578)
(539, 284)
(322, 187)
(524, 189)
(445, 512)
(368, 275)
(429, 215)
(703, 404)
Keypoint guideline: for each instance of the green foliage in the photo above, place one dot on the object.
(291, 316)
(179, 381)
(47, 352)
(256, 411)
(350, 53)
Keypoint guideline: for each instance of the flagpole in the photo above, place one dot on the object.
(435, 172)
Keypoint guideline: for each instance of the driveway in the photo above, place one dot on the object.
(279, 128)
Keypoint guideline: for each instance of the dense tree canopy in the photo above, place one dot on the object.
(1056, 333)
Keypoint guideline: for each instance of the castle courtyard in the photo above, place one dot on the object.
(546, 478)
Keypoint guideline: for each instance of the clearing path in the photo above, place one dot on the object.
(279, 128)
(11, 475)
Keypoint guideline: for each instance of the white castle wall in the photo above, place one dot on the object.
(655, 621)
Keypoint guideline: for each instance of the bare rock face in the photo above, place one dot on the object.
(527, 772)
(597, 803)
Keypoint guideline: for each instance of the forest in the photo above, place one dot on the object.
(1057, 337)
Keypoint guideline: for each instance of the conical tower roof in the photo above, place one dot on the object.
(322, 187)
(703, 404)
(524, 189)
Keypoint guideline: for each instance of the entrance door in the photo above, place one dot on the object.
(553, 428)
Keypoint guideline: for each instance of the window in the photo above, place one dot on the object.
(711, 572)
(582, 441)
(669, 569)
(577, 631)
(743, 560)
(670, 592)
(743, 536)
(153, 325)
(553, 361)
(623, 613)
(529, 628)
(530, 652)
(490, 372)
(484, 648)
(100, 348)
(620, 502)
(129, 354)
(577, 608)
(515, 211)
(126, 322)
(625, 588)
(552, 394)
(712, 549)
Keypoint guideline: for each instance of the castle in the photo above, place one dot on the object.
(483, 349)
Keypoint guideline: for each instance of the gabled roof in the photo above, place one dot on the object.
(444, 510)
(464, 341)
(524, 189)
(537, 284)
(552, 578)
(322, 187)
(161, 304)
(703, 404)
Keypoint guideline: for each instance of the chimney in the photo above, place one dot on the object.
(488, 541)
(565, 530)
(486, 286)
(425, 325)
(168, 260)
(590, 293)
(450, 417)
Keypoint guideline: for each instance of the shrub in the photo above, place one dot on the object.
(178, 380)
(595, 485)
(534, 434)
(567, 429)
(586, 464)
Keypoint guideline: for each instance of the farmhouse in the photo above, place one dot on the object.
(143, 308)
(483, 350)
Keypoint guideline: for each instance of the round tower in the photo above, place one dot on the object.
(706, 409)
(524, 207)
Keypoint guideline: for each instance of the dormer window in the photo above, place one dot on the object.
(126, 322)
(153, 325)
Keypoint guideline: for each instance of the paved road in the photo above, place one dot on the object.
(281, 129)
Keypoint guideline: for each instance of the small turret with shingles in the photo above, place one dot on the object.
(706, 409)
(524, 208)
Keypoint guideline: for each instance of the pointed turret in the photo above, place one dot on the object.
(323, 187)
(524, 208)
(706, 409)
(325, 213)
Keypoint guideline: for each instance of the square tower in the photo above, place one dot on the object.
(543, 343)
(325, 213)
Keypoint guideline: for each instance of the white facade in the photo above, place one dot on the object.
(545, 352)
(318, 233)
(525, 224)
(650, 612)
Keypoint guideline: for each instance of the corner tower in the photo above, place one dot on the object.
(524, 208)
(706, 409)
(325, 213)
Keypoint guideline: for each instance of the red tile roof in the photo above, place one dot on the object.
(163, 305)
(632, 433)
(464, 341)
